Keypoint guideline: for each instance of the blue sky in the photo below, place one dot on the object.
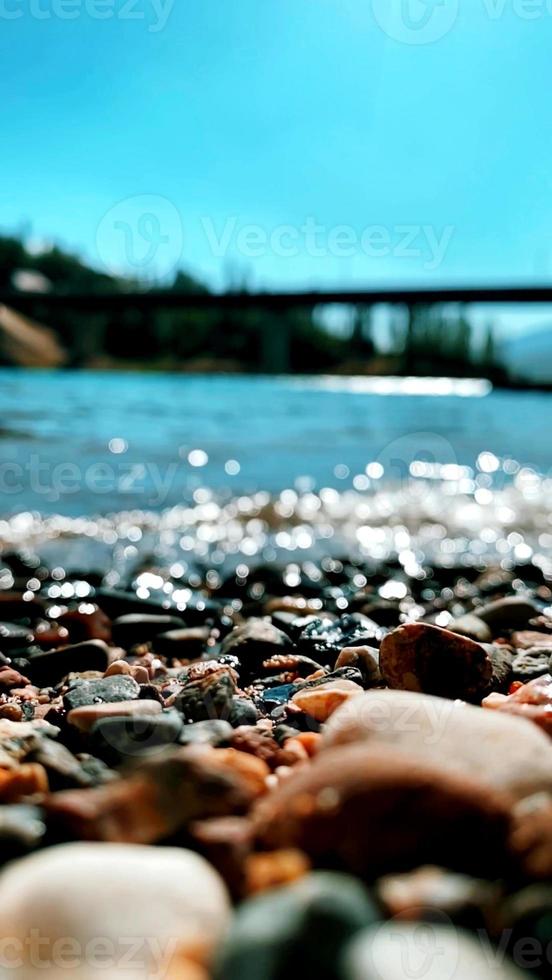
(213, 135)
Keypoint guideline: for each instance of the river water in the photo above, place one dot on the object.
(251, 466)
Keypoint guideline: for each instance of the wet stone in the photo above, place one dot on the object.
(137, 628)
(86, 717)
(242, 712)
(66, 771)
(211, 697)
(121, 737)
(531, 663)
(273, 697)
(105, 691)
(424, 658)
(323, 640)
(214, 732)
(87, 622)
(472, 626)
(182, 644)
(48, 668)
(513, 612)
(502, 658)
(417, 813)
(299, 930)
(254, 642)
(364, 659)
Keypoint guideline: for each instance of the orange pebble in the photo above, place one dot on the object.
(264, 871)
(309, 741)
(515, 686)
(254, 771)
(15, 784)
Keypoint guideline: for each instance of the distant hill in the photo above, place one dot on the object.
(530, 356)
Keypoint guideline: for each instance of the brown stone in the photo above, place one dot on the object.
(507, 753)
(378, 811)
(425, 658)
(154, 801)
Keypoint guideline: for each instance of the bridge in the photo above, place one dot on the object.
(275, 335)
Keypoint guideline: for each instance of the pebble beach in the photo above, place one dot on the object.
(290, 732)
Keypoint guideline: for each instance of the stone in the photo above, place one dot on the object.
(432, 950)
(214, 732)
(502, 658)
(507, 753)
(137, 628)
(156, 799)
(210, 697)
(298, 930)
(121, 737)
(510, 613)
(49, 667)
(169, 900)
(88, 715)
(108, 690)
(527, 639)
(242, 712)
(140, 674)
(10, 678)
(254, 642)
(65, 771)
(366, 660)
(471, 625)
(187, 643)
(22, 829)
(321, 702)
(324, 639)
(531, 663)
(26, 780)
(533, 702)
(424, 658)
(86, 622)
(378, 812)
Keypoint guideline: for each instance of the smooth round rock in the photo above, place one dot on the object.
(428, 950)
(321, 702)
(510, 613)
(49, 667)
(86, 717)
(507, 752)
(131, 735)
(425, 658)
(254, 642)
(166, 900)
(472, 626)
(373, 811)
(134, 628)
(296, 931)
